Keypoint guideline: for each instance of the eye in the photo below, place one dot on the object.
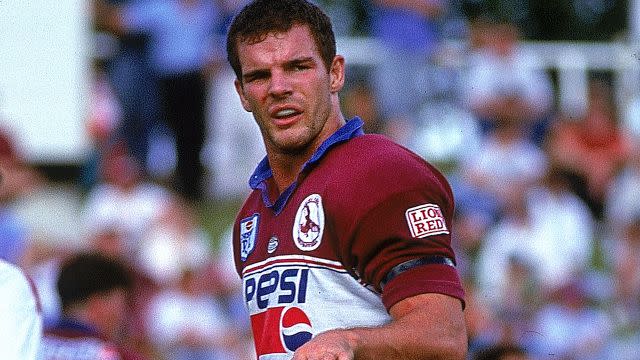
(299, 65)
(255, 76)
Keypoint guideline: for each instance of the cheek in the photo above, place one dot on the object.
(252, 100)
(247, 95)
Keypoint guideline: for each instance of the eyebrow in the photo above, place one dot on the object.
(289, 64)
(299, 61)
(254, 74)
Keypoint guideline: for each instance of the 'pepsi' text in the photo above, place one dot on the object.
(283, 286)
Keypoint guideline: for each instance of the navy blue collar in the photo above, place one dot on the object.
(71, 324)
(258, 180)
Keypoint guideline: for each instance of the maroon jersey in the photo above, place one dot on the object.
(72, 340)
(366, 224)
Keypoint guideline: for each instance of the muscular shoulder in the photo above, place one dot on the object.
(376, 167)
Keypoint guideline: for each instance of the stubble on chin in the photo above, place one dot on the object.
(294, 144)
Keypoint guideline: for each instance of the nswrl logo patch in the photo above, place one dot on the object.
(248, 234)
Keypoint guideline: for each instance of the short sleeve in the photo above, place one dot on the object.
(396, 208)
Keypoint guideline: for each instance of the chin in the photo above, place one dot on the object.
(293, 144)
(293, 147)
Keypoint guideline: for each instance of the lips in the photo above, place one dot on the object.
(284, 115)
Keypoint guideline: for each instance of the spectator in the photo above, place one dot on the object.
(124, 202)
(360, 99)
(548, 228)
(17, 179)
(183, 55)
(104, 120)
(174, 242)
(563, 226)
(483, 327)
(186, 323)
(630, 121)
(624, 254)
(622, 201)
(625, 258)
(348, 16)
(408, 31)
(128, 69)
(111, 243)
(592, 149)
(93, 290)
(571, 327)
(506, 161)
(235, 144)
(503, 83)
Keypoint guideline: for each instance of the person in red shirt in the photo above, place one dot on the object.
(592, 149)
(93, 291)
(344, 245)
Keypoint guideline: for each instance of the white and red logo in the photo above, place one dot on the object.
(280, 330)
(248, 234)
(309, 223)
(426, 220)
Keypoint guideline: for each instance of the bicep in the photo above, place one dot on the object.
(433, 316)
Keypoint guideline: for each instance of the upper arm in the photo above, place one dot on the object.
(434, 316)
(429, 303)
(402, 212)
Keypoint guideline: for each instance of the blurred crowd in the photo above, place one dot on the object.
(547, 228)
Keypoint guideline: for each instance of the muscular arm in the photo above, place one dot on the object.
(426, 326)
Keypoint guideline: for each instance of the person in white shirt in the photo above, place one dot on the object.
(20, 319)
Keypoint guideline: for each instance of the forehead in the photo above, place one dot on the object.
(278, 47)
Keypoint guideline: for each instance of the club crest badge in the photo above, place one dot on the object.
(426, 220)
(309, 223)
(248, 234)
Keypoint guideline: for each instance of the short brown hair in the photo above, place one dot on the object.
(263, 17)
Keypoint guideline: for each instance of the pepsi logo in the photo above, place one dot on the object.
(295, 328)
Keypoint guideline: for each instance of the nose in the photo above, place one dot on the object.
(280, 84)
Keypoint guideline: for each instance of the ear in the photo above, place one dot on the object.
(240, 91)
(336, 74)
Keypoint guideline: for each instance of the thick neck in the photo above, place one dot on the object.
(286, 168)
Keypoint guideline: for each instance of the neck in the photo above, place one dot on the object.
(286, 168)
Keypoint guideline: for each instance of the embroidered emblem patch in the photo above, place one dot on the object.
(248, 234)
(272, 245)
(309, 223)
(426, 220)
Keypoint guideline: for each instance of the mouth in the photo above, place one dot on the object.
(284, 116)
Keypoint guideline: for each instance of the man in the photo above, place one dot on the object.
(344, 244)
(21, 321)
(93, 291)
(182, 55)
